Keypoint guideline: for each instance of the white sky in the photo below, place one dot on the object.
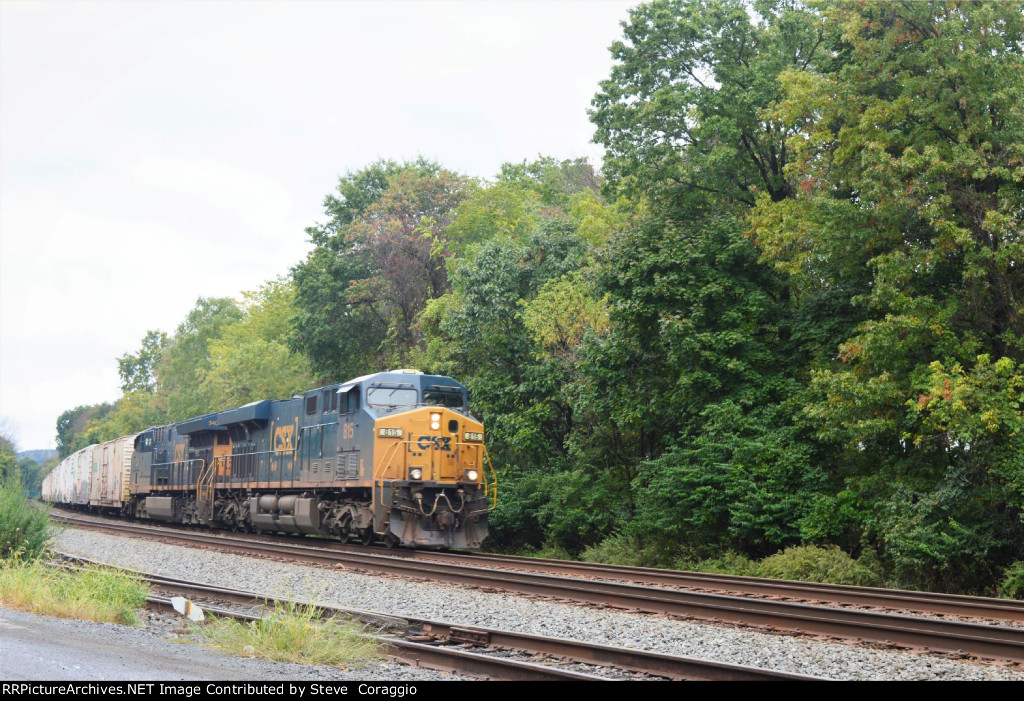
(152, 153)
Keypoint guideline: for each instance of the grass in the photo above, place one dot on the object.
(25, 529)
(93, 594)
(293, 633)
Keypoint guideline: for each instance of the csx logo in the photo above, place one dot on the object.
(435, 443)
(284, 437)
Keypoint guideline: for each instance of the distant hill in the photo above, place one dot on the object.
(40, 456)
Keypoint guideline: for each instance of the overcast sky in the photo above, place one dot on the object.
(152, 153)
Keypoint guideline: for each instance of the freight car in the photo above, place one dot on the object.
(393, 456)
(95, 476)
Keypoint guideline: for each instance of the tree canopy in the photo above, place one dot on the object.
(788, 311)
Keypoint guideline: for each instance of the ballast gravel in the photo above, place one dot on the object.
(468, 606)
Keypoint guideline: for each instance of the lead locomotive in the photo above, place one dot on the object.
(394, 457)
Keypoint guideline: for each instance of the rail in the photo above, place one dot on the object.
(455, 641)
(999, 642)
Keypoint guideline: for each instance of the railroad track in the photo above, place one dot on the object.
(836, 594)
(913, 602)
(891, 630)
(431, 643)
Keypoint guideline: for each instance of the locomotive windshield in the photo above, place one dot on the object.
(390, 397)
(435, 397)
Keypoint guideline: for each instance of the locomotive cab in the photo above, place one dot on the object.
(430, 482)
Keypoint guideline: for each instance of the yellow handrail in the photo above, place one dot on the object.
(385, 462)
(490, 488)
(205, 481)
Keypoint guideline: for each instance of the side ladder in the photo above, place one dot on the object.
(205, 492)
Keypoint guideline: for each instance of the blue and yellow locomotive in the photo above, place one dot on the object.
(393, 457)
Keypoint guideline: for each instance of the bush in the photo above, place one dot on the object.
(729, 563)
(550, 550)
(293, 633)
(93, 594)
(25, 530)
(812, 563)
(1012, 586)
(616, 549)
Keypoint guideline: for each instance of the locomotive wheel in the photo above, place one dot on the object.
(366, 535)
(344, 536)
(390, 541)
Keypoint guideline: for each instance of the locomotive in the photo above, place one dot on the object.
(394, 457)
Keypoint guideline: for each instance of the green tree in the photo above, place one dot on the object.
(700, 373)
(8, 457)
(909, 158)
(187, 360)
(139, 371)
(555, 182)
(72, 424)
(251, 359)
(479, 333)
(376, 263)
(30, 475)
(684, 107)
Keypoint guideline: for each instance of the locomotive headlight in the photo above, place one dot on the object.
(435, 421)
(416, 473)
(474, 436)
(435, 417)
(472, 475)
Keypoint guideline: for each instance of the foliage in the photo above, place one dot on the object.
(139, 370)
(376, 263)
(93, 593)
(8, 467)
(564, 311)
(7, 442)
(812, 563)
(909, 158)
(729, 562)
(250, 359)
(25, 530)
(72, 424)
(740, 484)
(187, 360)
(30, 474)
(684, 105)
(1012, 585)
(293, 633)
(556, 183)
(788, 316)
(479, 328)
(224, 354)
(616, 549)
(502, 211)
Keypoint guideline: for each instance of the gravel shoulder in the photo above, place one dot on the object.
(469, 606)
(37, 648)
